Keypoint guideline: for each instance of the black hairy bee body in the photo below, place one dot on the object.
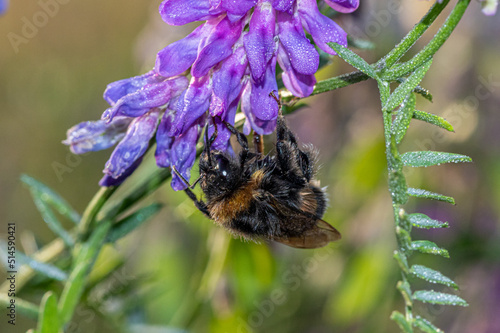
(265, 197)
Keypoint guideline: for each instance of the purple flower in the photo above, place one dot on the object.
(489, 7)
(4, 4)
(96, 135)
(229, 59)
(131, 121)
(134, 144)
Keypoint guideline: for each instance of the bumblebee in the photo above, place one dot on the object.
(270, 197)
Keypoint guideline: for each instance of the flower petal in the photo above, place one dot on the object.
(218, 46)
(222, 140)
(150, 96)
(322, 29)
(163, 140)
(183, 154)
(108, 180)
(264, 106)
(192, 104)
(180, 55)
(489, 7)
(96, 135)
(303, 56)
(259, 41)
(133, 145)
(180, 12)
(283, 5)
(237, 8)
(262, 127)
(116, 90)
(300, 85)
(343, 6)
(215, 7)
(227, 82)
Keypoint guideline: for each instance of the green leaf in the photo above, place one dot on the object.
(52, 198)
(397, 181)
(404, 288)
(435, 297)
(385, 91)
(425, 326)
(402, 261)
(51, 220)
(46, 269)
(405, 88)
(423, 92)
(403, 117)
(419, 90)
(75, 284)
(48, 320)
(400, 319)
(429, 158)
(72, 292)
(423, 221)
(125, 226)
(432, 276)
(433, 119)
(404, 239)
(354, 60)
(419, 193)
(425, 246)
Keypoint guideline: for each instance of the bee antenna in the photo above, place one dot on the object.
(277, 101)
(216, 132)
(207, 145)
(210, 141)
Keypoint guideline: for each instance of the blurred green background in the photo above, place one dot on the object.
(179, 272)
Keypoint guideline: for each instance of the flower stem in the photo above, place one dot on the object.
(94, 206)
(433, 46)
(148, 186)
(338, 82)
(407, 42)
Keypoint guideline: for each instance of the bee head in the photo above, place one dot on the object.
(220, 173)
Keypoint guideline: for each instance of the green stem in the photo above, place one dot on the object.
(407, 42)
(142, 190)
(433, 46)
(390, 59)
(338, 82)
(94, 206)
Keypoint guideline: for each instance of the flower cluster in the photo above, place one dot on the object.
(231, 59)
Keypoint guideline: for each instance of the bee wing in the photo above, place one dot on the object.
(319, 235)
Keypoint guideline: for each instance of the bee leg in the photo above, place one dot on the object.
(198, 203)
(258, 143)
(286, 146)
(242, 140)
